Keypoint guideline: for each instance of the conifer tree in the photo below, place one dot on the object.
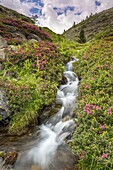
(82, 38)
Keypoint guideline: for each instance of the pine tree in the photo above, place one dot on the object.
(82, 38)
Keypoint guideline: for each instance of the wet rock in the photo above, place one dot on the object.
(34, 167)
(11, 158)
(64, 80)
(65, 159)
(7, 159)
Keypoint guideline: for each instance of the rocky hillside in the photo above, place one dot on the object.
(93, 26)
(17, 28)
(28, 80)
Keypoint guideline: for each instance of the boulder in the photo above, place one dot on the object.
(19, 35)
(32, 41)
(3, 43)
(34, 36)
(4, 108)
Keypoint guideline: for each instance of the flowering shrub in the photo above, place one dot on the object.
(26, 27)
(10, 26)
(36, 70)
(41, 56)
(93, 138)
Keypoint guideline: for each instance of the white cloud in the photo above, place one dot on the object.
(64, 21)
(51, 19)
(21, 7)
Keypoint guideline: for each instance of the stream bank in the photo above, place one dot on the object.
(50, 146)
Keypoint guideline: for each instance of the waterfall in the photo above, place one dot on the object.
(56, 129)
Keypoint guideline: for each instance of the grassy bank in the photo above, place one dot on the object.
(31, 76)
(93, 138)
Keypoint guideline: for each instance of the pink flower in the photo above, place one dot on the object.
(94, 107)
(103, 127)
(86, 86)
(92, 78)
(88, 105)
(89, 112)
(100, 132)
(104, 155)
(109, 111)
(82, 156)
(83, 56)
(106, 65)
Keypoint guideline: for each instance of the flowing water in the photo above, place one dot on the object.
(50, 151)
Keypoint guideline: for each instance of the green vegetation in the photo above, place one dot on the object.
(93, 25)
(33, 81)
(33, 71)
(82, 38)
(93, 138)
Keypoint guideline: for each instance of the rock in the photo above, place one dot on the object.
(7, 159)
(2, 58)
(4, 108)
(11, 157)
(34, 167)
(33, 36)
(63, 160)
(20, 35)
(32, 41)
(2, 53)
(3, 43)
(12, 47)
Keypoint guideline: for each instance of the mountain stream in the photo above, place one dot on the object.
(49, 151)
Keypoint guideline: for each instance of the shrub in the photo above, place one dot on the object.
(92, 139)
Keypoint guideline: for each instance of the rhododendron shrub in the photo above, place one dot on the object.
(94, 134)
(35, 71)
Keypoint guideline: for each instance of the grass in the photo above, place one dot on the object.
(93, 138)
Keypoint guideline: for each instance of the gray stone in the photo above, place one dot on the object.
(4, 108)
(32, 41)
(3, 43)
(2, 53)
(20, 35)
(12, 47)
(34, 36)
(2, 57)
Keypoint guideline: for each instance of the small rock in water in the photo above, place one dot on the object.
(35, 167)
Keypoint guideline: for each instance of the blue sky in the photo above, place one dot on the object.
(58, 14)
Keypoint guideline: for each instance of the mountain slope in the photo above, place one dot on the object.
(28, 80)
(92, 26)
(17, 28)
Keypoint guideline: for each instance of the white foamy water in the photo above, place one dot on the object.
(55, 130)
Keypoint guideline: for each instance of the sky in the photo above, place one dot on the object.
(58, 15)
